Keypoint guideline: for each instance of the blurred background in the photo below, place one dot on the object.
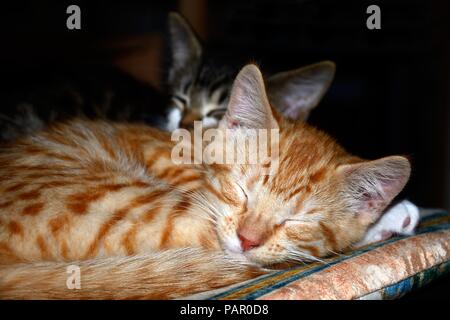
(391, 91)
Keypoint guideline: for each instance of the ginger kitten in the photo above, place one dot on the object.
(108, 198)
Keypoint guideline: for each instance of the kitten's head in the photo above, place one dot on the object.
(320, 200)
(200, 89)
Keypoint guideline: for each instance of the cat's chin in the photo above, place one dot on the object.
(232, 247)
(236, 256)
(244, 258)
(236, 253)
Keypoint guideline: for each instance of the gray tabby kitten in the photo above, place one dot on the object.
(199, 90)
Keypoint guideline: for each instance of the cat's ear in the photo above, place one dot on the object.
(186, 48)
(295, 93)
(370, 186)
(248, 106)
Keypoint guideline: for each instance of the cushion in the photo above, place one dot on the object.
(384, 270)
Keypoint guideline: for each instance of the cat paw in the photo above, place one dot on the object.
(401, 219)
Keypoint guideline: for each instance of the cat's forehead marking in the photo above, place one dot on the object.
(297, 191)
(317, 175)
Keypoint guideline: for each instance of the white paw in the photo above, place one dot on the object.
(401, 219)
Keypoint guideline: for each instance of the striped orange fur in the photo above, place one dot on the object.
(108, 198)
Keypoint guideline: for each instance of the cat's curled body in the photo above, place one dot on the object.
(108, 198)
(86, 191)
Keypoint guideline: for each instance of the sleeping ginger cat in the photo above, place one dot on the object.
(107, 198)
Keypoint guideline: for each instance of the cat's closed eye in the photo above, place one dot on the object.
(217, 113)
(243, 193)
(180, 102)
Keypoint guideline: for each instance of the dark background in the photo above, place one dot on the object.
(390, 94)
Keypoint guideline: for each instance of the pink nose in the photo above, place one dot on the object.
(248, 244)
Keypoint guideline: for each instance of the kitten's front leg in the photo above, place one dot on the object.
(400, 219)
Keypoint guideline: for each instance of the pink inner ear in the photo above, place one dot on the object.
(374, 184)
(370, 210)
(373, 202)
(370, 205)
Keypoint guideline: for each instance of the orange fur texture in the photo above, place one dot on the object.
(108, 198)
